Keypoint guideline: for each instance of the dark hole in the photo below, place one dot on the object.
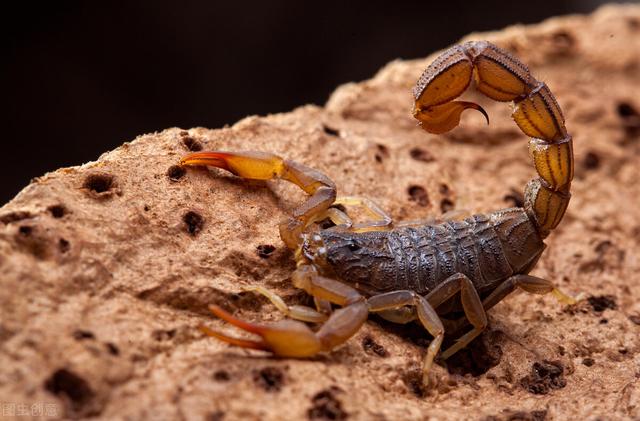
(601, 303)
(510, 415)
(623, 351)
(25, 230)
(98, 183)
(215, 416)
(269, 378)
(372, 347)
(163, 335)
(265, 250)
(420, 154)
(193, 222)
(444, 189)
(66, 383)
(83, 334)
(146, 208)
(63, 245)
(544, 377)
(635, 318)
(603, 246)
(221, 376)
(591, 161)
(330, 130)
(419, 195)
(176, 172)
(57, 211)
(14, 217)
(112, 348)
(382, 153)
(588, 362)
(446, 205)
(191, 144)
(603, 321)
(539, 415)
(413, 380)
(515, 198)
(626, 110)
(325, 406)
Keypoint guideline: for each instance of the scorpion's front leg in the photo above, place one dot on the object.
(266, 166)
(290, 338)
(378, 220)
(296, 312)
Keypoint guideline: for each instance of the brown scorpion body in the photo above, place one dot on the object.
(415, 271)
(419, 258)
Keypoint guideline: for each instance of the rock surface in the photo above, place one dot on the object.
(108, 268)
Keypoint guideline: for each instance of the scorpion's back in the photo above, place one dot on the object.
(487, 248)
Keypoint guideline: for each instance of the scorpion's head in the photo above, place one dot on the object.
(342, 254)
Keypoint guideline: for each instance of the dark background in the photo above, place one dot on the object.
(80, 78)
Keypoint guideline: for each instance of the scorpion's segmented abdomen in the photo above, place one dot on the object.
(425, 256)
(486, 248)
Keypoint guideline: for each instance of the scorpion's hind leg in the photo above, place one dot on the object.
(266, 166)
(528, 283)
(471, 304)
(390, 302)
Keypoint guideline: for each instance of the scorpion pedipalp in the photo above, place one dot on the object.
(267, 166)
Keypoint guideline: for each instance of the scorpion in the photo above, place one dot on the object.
(415, 270)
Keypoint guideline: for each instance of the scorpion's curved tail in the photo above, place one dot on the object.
(502, 77)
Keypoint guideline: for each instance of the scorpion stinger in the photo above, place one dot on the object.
(502, 77)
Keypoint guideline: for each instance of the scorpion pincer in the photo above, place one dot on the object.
(415, 271)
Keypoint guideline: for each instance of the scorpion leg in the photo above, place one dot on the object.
(380, 220)
(471, 304)
(338, 217)
(425, 313)
(266, 166)
(528, 283)
(297, 312)
(402, 315)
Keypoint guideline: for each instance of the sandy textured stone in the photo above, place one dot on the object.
(104, 283)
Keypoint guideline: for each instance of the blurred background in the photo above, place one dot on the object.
(80, 78)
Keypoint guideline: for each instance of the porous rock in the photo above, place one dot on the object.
(108, 268)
